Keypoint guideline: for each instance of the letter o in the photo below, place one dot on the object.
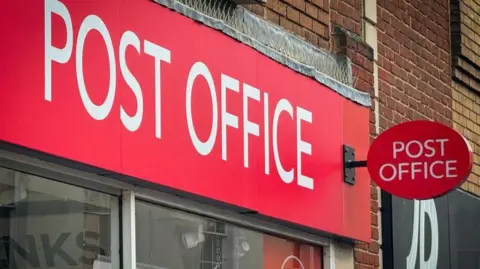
(98, 112)
(382, 168)
(200, 69)
(420, 149)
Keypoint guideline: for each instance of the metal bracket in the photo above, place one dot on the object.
(349, 164)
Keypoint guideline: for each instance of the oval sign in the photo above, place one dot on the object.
(419, 160)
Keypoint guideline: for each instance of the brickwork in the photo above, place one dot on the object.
(465, 24)
(414, 61)
(311, 20)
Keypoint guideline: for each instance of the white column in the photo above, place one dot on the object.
(115, 235)
(370, 34)
(329, 256)
(128, 230)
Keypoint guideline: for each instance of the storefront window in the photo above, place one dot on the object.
(170, 239)
(48, 224)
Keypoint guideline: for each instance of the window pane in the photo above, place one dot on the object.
(286, 254)
(172, 239)
(48, 224)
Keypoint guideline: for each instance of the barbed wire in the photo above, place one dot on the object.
(274, 37)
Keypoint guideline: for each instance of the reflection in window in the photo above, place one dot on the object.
(170, 239)
(47, 224)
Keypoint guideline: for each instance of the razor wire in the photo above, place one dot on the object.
(274, 37)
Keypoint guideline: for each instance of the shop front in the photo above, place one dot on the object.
(51, 224)
(438, 233)
(136, 137)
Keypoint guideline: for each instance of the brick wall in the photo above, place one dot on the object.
(414, 61)
(311, 20)
(465, 24)
(414, 65)
(336, 26)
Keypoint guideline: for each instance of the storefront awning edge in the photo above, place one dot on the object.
(346, 91)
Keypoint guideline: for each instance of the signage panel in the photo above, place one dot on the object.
(419, 160)
(135, 88)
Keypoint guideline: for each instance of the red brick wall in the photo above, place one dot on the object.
(414, 61)
(308, 19)
(311, 20)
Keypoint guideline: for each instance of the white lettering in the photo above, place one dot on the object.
(411, 170)
(160, 54)
(442, 145)
(98, 112)
(427, 208)
(227, 118)
(200, 69)
(266, 130)
(414, 170)
(436, 169)
(430, 148)
(132, 123)
(397, 147)
(411, 259)
(59, 55)
(402, 170)
(249, 127)
(382, 173)
(282, 106)
(424, 149)
(451, 168)
(432, 166)
(422, 209)
(408, 148)
(303, 147)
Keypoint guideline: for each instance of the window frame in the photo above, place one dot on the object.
(128, 193)
(62, 175)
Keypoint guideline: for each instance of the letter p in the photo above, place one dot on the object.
(60, 55)
(397, 147)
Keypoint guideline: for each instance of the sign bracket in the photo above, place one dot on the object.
(349, 164)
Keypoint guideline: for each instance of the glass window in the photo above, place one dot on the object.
(48, 224)
(170, 239)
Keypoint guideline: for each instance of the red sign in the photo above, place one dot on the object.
(135, 88)
(419, 160)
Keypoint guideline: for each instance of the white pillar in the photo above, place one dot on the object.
(128, 230)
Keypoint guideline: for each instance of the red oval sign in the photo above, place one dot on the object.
(419, 160)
